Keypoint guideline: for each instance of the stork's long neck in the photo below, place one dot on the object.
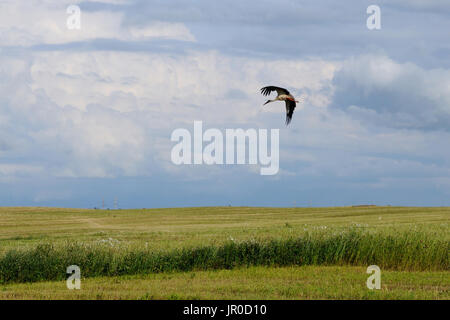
(269, 101)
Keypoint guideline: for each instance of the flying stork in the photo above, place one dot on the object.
(283, 95)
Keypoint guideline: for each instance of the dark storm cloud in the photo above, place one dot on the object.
(150, 46)
(292, 29)
(379, 90)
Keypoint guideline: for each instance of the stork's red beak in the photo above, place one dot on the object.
(266, 102)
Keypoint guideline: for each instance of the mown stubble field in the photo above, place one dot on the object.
(225, 253)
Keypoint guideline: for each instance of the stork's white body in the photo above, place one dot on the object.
(284, 97)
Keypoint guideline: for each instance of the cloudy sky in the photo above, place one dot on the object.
(87, 114)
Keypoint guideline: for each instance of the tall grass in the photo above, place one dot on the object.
(397, 251)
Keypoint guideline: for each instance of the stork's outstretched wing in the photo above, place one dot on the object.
(290, 106)
(267, 90)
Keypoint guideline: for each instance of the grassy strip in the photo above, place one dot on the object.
(402, 251)
(260, 283)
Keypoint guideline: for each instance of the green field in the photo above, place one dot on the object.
(225, 253)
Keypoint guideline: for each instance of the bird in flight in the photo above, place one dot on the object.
(283, 95)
